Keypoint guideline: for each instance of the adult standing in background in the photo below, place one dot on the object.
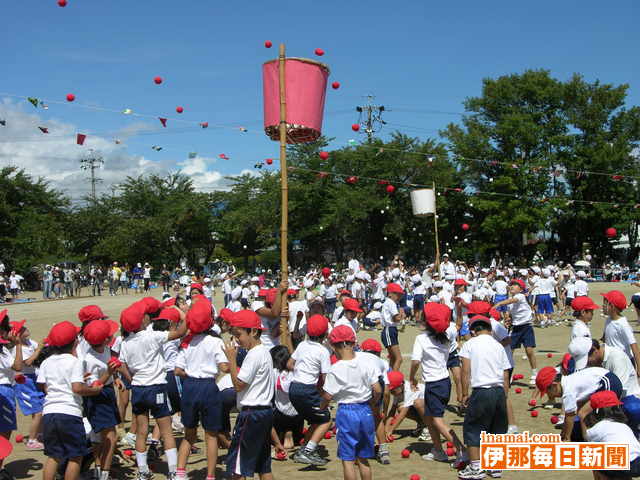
(124, 280)
(165, 277)
(96, 278)
(137, 277)
(114, 279)
(146, 276)
(47, 282)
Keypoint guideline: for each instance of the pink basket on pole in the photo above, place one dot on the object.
(306, 86)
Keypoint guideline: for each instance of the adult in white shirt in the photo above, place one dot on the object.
(447, 268)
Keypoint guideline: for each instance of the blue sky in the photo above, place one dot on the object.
(427, 56)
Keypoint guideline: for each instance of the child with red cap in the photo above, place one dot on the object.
(430, 354)
(617, 331)
(353, 383)
(10, 363)
(62, 377)
(142, 362)
(407, 402)
(349, 316)
(86, 315)
(200, 359)
(310, 363)
(583, 308)
(101, 410)
(250, 450)
(391, 317)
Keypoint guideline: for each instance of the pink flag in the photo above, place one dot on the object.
(80, 139)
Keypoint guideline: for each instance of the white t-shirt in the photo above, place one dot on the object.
(170, 354)
(488, 361)
(96, 364)
(226, 287)
(234, 306)
(295, 308)
(257, 373)
(337, 313)
(581, 288)
(500, 332)
(7, 373)
(409, 397)
(27, 351)
(571, 290)
(579, 386)
(268, 324)
(618, 363)
(521, 313)
(546, 286)
(618, 333)
(311, 360)
(225, 382)
(58, 373)
(381, 366)
(357, 290)
(200, 359)
(352, 324)
(350, 381)
(207, 291)
(142, 352)
(608, 431)
(446, 298)
(147, 272)
(452, 333)
(389, 310)
(580, 329)
(378, 288)
(500, 286)
(374, 316)
(432, 356)
(282, 401)
(329, 293)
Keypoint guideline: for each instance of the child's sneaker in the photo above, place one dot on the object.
(425, 436)
(436, 455)
(494, 473)
(470, 473)
(512, 430)
(144, 476)
(309, 458)
(34, 445)
(383, 455)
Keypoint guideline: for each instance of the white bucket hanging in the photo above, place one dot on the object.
(423, 202)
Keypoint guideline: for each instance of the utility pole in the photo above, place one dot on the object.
(92, 163)
(370, 118)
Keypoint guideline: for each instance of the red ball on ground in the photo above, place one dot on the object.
(355, 127)
(328, 435)
(127, 453)
(534, 413)
(335, 85)
(158, 80)
(449, 444)
(19, 438)
(533, 402)
(405, 453)
(70, 97)
(179, 109)
(450, 452)
(268, 44)
(324, 155)
(319, 52)
(62, 3)
(549, 355)
(518, 390)
(554, 419)
(281, 455)
(415, 476)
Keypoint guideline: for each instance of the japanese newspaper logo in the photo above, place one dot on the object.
(531, 451)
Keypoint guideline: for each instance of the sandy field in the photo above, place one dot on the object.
(42, 315)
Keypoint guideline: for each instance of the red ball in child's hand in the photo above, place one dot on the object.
(415, 476)
(405, 453)
(390, 438)
(449, 444)
(328, 435)
(549, 355)
(534, 413)
(281, 455)
(554, 419)
(20, 379)
(19, 438)
(450, 452)
(97, 383)
(533, 402)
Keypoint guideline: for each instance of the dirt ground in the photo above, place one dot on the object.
(42, 315)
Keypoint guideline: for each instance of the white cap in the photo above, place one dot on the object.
(377, 305)
(579, 349)
(546, 272)
(139, 265)
(438, 284)
(445, 255)
(235, 293)
(206, 280)
(523, 271)
(243, 283)
(395, 273)
(434, 299)
(536, 269)
(581, 274)
(416, 278)
(308, 283)
(255, 279)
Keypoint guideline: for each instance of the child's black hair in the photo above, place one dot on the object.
(45, 353)
(280, 356)
(615, 414)
(319, 338)
(440, 337)
(161, 325)
(480, 325)
(123, 333)
(5, 326)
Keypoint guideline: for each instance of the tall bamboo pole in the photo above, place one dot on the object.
(285, 338)
(435, 224)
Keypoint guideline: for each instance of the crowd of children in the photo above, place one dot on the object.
(187, 365)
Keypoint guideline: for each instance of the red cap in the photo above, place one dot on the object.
(62, 334)
(90, 313)
(170, 313)
(5, 448)
(3, 314)
(226, 314)
(272, 293)
(151, 305)
(351, 304)
(263, 292)
(169, 302)
(344, 292)
(616, 298)
(371, 345)
(326, 271)
(97, 332)
(519, 282)
(292, 292)
(479, 318)
(317, 325)
(246, 319)
(132, 316)
(394, 288)
(396, 379)
(583, 303)
(604, 398)
(342, 333)
(199, 318)
(16, 327)
(495, 314)
(460, 281)
(545, 378)
(197, 286)
(438, 316)
(478, 308)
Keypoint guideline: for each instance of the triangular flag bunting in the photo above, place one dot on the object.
(80, 139)
(127, 111)
(44, 129)
(193, 155)
(156, 148)
(163, 121)
(3, 123)
(34, 101)
(204, 124)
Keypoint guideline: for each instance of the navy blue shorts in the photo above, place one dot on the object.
(63, 436)
(228, 399)
(174, 391)
(306, 400)
(634, 470)
(125, 382)
(389, 336)
(201, 403)
(151, 399)
(436, 397)
(283, 423)
(610, 381)
(486, 411)
(498, 298)
(8, 409)
(355, 432)
(250, 450)
(30, 399)
(102, 410)
(522, 335)
(453, 360)
(330, 306)
(418, 302)
(544, 304)
(635, 299)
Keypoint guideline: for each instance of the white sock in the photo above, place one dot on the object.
(172, 459)
(104, 475)
(311, 446)
(141, 460)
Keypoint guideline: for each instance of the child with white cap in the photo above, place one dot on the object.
(581, 286)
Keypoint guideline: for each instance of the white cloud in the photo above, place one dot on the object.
(56, 156)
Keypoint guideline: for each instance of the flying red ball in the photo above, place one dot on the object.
(405, 453)
(352, 180)
(611, 232)
(62, 3)
(391, 189)
(269, 161)
(335, 85)
(534, 413)
(324, 155)
(355, 127)
(157, 80)
(268, 44)
(465, 227)
(179, 109)
(70, 97)
(319, 52)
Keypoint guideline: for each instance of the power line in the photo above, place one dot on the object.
(92, 163)
(370, 117)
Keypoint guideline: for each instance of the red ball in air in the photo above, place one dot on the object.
(465, 226)
(391, 189)
(534, 413)
(157, 80)
(19, 437)
(611, 232)
(554, 419)
(355, 127)
(518, 390)
(549, 355)
(415, 476)
(335, 85)
(406, 453)
(269, 161)
(324, 155)
(70, 97)
(268, 44)
(533, 402)
(179, 109)
(328, 435)
(62, 3)
(450, 452)
(319, 52)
